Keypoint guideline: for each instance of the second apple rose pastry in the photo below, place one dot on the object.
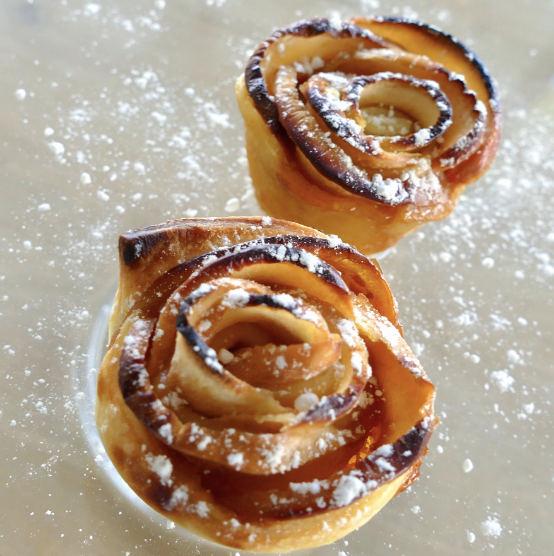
(257, 389)
(366, 128)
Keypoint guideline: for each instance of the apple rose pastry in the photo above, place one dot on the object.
(366, 128)
(257, 389)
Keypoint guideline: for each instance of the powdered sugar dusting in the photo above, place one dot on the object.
(235, 460)
(348, 332)
(236, 298)
(491, 527)
(348, 489)
(503, 381)
(161, 466)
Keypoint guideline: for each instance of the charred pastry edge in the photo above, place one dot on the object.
(136, 388)
(330, 407)
(464, 148)
(352, 91)
(136, 244)
(488, 81)
(133, 248)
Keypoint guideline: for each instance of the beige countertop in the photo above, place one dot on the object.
(116, 114)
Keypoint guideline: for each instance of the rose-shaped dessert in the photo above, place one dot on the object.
(366, 128)
(257, 389)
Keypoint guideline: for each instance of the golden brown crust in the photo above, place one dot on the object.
(191, 418)
(314, 97)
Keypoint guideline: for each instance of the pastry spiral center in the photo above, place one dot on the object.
(266, 340)
(383, 110)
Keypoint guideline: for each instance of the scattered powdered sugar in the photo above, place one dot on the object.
(202, 509)
(481, 108)
(174, 401)
(385, 466)
(56, 147)
(179, 497)
(348, 489)
(133, 342)
(334, 241)
(198, 435)
(348, 332)
(212, 361)
(503, 381)
(235, 460)
(280, 252)
(162, 466)
(297, 308)
(286, 300)
(204, 442)
(389, 332)
(422, 137)
(273, 458)
(307, 66)
(311, 262)
(104, 196)
(514, 357)
(313, 487)
(388, 189)
(166, 432)
(203, 326)
(357, 362)
(386, 450)
(491, 527)
(236, 298)
(281, 362)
